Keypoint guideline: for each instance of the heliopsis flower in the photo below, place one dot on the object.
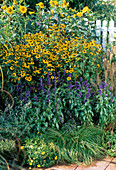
(22, 147)
(80, 14)
(85, 9)
(30, 163)
(43, 153)
(23, 9)
(4, 7)
(55, 158)
(68, 78)
(9, 10)
(41, 5)
(38, 166)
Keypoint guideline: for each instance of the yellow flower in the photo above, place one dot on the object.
(11, 68)
(52, 3)
(98, 65)
(43, 153)
(52, 77)
(68, 78)
(55, 158)
(84, 51)
(23, 9)
(37, 132)
(9, 10)
(30, 12)
(74, 15)
(30, 163)
(55, 3)
(38, 166)
(14, 2)
(4, 7)
(14, 74)
(85, 9)
(80, 14)
(22, 147)
(41, 5)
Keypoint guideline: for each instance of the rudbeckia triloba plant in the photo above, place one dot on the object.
(48, 41)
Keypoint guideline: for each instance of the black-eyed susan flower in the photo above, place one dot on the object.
(23, 9)
(41, 5)
(4, 7)
(52, 3)
(9, 10)
(68, 78)
(14, 74)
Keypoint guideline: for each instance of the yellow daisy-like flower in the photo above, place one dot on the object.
(30, 163)
(4, 7)
(55, 158)
(11, 68)
(98, 65)
(9, 10)
(14, 74)
(23, 9)
(74, 15)
(52, 77)
(30, 12)
(41, 5)
(43, 153)
(22, 147)
(85, 9)
(52, 3)
(68, 78)
(14, 2)
(80, 14)
(84, 51)
(38, 166)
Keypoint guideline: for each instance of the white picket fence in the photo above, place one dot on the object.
(106, 31)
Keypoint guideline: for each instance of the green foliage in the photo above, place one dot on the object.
(7, 146)
(77, 144)
(110, 143)
(40, 154)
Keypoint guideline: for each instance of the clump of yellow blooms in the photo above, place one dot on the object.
(49, 52)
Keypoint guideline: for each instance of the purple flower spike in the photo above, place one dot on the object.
(99, 91)
(28, 92)
(41, 84)
(36, 99)
(109, 88)
(81, 78)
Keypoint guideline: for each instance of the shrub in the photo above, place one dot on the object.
(40, 154)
